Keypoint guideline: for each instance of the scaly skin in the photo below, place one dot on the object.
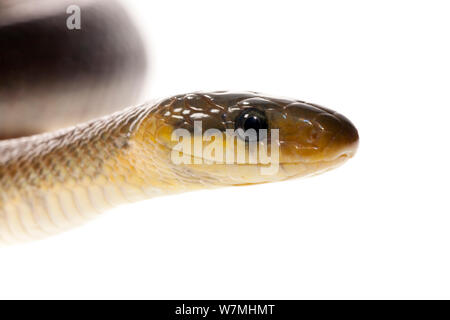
(52, 182)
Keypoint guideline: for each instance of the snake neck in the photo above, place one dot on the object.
(97, 154)
(51, 182)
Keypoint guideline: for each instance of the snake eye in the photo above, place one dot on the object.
(251, 119)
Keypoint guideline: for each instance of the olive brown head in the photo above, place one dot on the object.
(247, 137)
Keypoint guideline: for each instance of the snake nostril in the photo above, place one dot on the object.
(314, 134)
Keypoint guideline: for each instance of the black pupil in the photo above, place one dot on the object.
(252, 122)
(253, 119)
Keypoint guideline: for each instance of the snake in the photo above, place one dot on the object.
(75, 142)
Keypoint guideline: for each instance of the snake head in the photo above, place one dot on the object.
(232, 138)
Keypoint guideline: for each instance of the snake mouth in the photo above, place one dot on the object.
(342, 147)
(307, 169)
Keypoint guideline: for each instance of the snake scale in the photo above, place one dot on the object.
(53, 179)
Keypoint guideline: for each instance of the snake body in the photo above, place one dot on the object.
(51, 182)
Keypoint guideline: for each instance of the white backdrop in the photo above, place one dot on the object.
(378, 227)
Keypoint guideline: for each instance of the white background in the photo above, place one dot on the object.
(378, 227)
